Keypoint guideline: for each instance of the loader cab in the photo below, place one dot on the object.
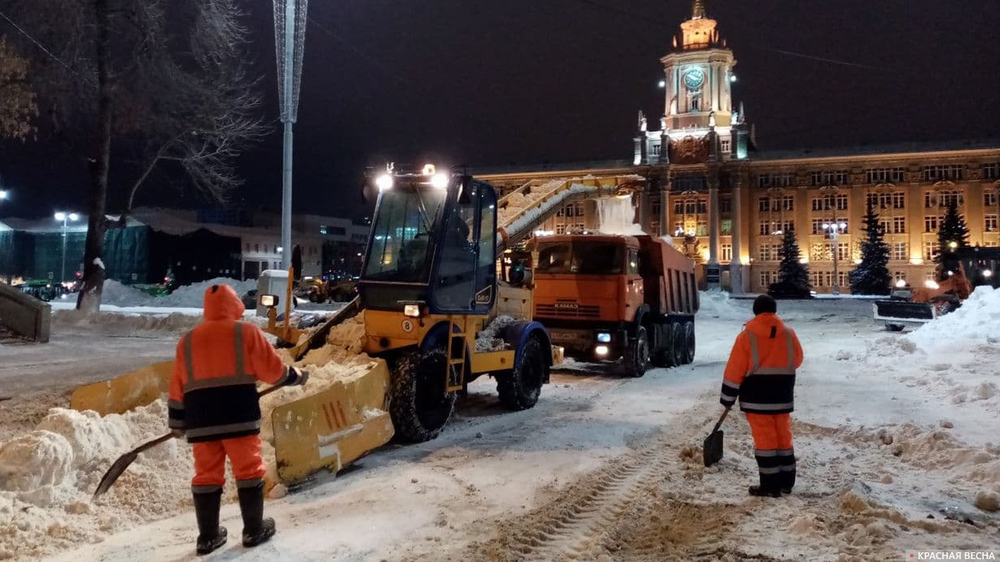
(432, 245)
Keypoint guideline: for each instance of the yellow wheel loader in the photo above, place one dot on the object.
(436, 316)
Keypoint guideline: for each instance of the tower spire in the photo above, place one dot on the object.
(698, 10)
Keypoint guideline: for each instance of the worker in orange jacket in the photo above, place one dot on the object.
(761, 373)
(213, 402)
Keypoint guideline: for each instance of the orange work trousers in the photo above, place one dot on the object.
(210, 463)
(772, 441)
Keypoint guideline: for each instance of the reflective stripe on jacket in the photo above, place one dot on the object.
(761, 368)
(213, 390)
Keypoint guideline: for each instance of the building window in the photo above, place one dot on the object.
(560, 229)
(727, 253)
(839, 177)
(899, 225)
(765, 253)
(816, 279)
(830, 202)
(817, 225)
(899, 276)
(580, 210)
(256, 248)
(678, 207)
(725, 205)
(931, 251)
(776, 227)
(787, 203)
(654, 149)
(655, 209)
(900, 251)
(727, 228)
(726, 146)
(702, 227)
(776, 180)
(887, 200)
(766, 278)
(951, 172)
(884, 175)
(931, 223)
(946, 198)
(990, 223)
(561, 211)
(991, 171)
(764, 205)
(990, 198)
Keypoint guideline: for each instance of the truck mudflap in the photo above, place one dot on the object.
(903, 312)
(332, 428)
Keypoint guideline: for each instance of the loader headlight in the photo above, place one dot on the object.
(267, 301)
(601, 350)
(439, 181)
(930, 284)
(384, 182)
(411, 310)
(604, 337)
(987, 273)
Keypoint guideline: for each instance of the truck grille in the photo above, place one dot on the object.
(564, 311)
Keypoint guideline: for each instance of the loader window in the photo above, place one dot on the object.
(456, 276)
(402, 248)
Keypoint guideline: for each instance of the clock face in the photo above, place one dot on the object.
(694, 79)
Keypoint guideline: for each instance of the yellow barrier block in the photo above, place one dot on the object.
(121, 394)
(333, 428)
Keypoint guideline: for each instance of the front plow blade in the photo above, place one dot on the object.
(333, 428)
(121, 394)
(905, 312)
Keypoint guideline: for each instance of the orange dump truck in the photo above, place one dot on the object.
(624, 299)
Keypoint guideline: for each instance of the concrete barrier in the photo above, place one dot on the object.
(24, 314)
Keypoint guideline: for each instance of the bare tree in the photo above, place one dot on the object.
(164, 80)
(17, 100)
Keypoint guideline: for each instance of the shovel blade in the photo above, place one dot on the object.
(114, 472)
(712, 448)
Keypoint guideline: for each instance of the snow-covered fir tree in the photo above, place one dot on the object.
(793, 275)
(872, 277)
(953, 234)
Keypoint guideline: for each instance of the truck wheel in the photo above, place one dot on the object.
(519, 390)
(637, 356)
(679, 347)
(664, 356)
(689, 349)
(418, 402)
(894, 327)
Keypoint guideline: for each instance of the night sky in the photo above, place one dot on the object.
(522, 82)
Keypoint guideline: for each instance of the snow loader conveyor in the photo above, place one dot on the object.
(429, 288)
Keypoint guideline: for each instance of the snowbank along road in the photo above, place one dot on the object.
(895, 434)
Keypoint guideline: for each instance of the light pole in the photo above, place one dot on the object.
(64, 217)
(289, 38)
(835, 229)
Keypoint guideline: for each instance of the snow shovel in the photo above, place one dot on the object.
(712, 447)
(123, 462)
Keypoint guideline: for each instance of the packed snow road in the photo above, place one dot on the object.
(606, 468)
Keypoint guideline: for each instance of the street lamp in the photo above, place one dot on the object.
(835, 229)
(65, 218)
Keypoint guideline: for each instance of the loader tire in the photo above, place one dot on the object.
(637, 354)
(520, 389)
(894, 327)
(418, 403)
(689, 337)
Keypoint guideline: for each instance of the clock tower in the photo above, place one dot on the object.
(699, 119)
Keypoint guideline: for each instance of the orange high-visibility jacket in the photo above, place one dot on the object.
(213, 391)
(761, 368)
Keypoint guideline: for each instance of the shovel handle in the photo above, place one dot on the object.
(721, 419)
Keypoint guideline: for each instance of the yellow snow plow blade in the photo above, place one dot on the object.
(126, 392)
(333, 428)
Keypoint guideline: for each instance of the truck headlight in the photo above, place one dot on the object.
(987, 273)
(411, 310)
(604, 337)
(601, 350)
(267, 301)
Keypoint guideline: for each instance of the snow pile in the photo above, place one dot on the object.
(193, 296)
(976, 321)
(617, 216)
(47, 477)
(175, 322)
(487, 340)
(717, 304)
(116, 294)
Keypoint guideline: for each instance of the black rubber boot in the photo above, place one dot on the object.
(206, 509)
(761, 491)
(257, 529)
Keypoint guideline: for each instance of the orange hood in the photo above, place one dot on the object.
(222, 303)
(761, 325)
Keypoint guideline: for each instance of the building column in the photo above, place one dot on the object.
(736, 264)
(712, 271)
(664, 208)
